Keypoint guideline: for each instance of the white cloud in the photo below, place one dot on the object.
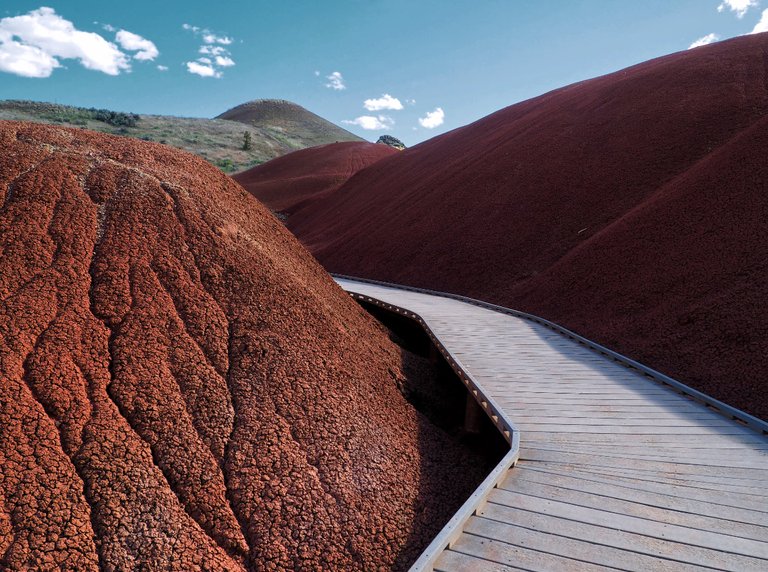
(739, 6)
(335, 81)
(224, 61)
(704, 40)
(162, 68)
(371, 123)
(220, 57)
(32, 45)
(762, 25)
(210, 38)
(317, 73)
(202, 70)
(410, 101)
(386, 101)
(433, 118)
(108, 28)
(145, 49)
(212, 50)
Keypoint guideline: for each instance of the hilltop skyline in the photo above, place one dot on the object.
(412, 71)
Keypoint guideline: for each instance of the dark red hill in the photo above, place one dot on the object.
(286, 181)
(631, 208)
(182, 387)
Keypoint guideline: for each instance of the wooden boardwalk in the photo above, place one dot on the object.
(615, 471)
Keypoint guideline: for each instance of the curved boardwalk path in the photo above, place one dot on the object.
(615, 470)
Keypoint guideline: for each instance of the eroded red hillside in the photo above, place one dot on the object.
(631, 208)
(285, 182)
(182, 387)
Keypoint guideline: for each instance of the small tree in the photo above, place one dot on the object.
(247, 143)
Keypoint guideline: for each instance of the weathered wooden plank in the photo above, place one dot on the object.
(692, 493)
(580, 549)
(685, 478)
(629, 429)
(712, 441)
(730, 520)
(452, 561)
(564, 422)
(557, 389)
(660, 470)
(610, 458)
(576, 458)
(621, 539)
(518, 556)
(603, 500)
(642, 526)
(592, 411)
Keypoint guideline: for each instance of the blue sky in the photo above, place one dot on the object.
(446, 63)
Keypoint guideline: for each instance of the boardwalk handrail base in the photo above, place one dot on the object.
(724, 409)
(455, 526)
(508, 430)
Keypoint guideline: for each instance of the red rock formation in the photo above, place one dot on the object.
(182, 387)
(285, 182)
(630, 208)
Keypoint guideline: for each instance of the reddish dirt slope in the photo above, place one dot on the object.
(631, 207)
(286, 181)
(182, 387)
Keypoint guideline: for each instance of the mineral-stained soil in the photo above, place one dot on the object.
(182, 387)
(283, 183)
(631, 208)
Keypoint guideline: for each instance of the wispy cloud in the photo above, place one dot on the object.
(145, 49)
(371, 122)
(214, 55)
(433, 118)
(741, 7)
(335, 81)
(162, 68)
(762, 25)
(209, 38)
(386, 101)
(704, 40)
(33, 44)
(212, 50)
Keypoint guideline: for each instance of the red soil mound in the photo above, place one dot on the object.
(182, 387)
(286, 181)
(631, 208)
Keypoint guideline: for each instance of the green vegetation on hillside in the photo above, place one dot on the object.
(219, 141)
(289, 122)
(80, 116)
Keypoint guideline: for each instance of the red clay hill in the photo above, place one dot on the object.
(183, 387)
(631, 208)
(287, 181)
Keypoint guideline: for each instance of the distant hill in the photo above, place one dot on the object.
(630, 208)
(288, 181)
(277, 128)
(299, 127)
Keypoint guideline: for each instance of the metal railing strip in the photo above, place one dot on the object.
(475, 503)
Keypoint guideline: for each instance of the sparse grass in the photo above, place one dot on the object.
(219, 141)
